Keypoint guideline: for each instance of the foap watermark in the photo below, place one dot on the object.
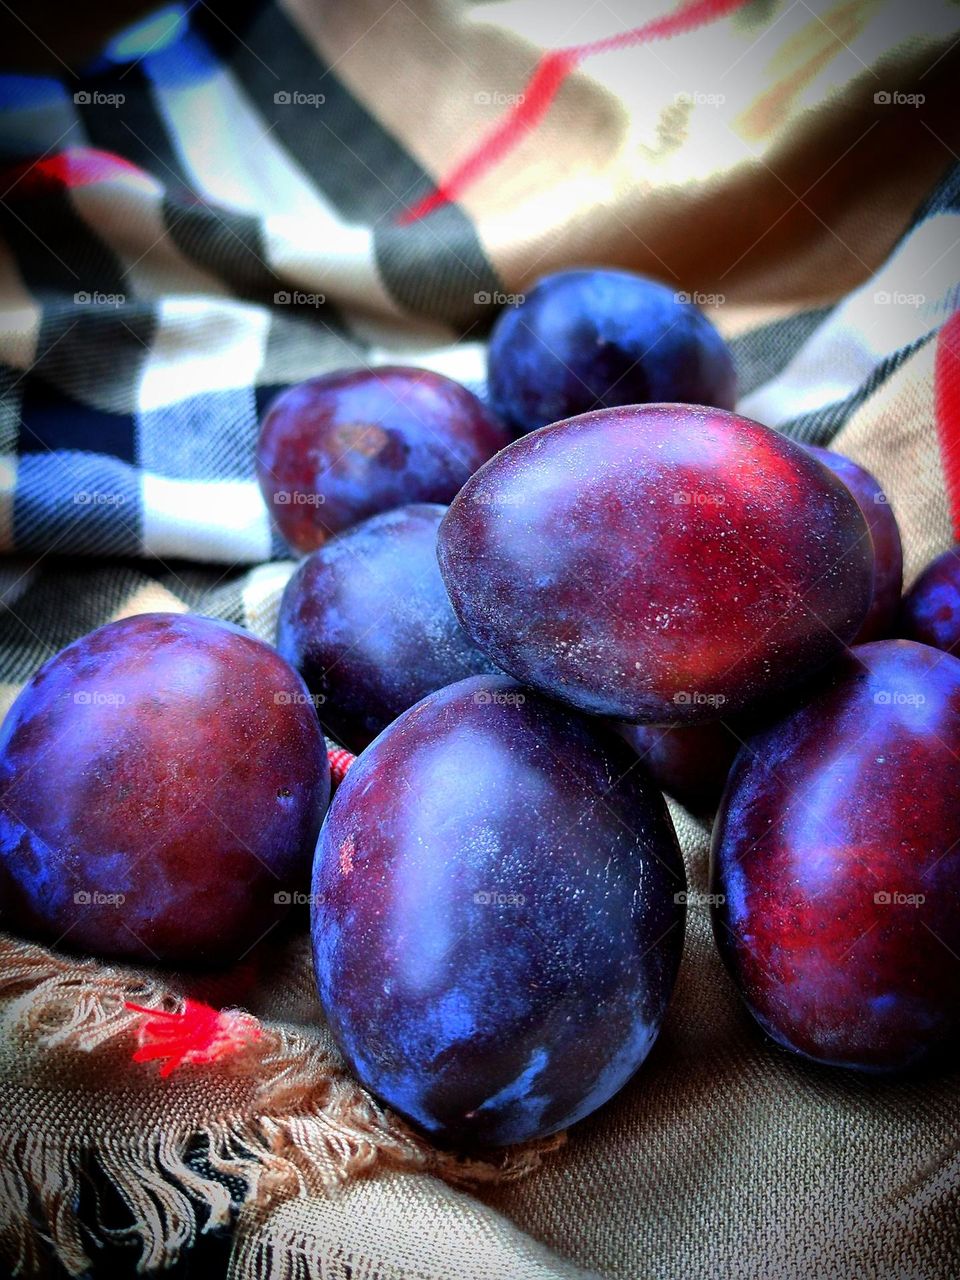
(96, 98)
(692, 498)
(695, 98)
(94, 298)
(895, 98)
(297, 98)
(488, 498)
(98, 698)
(496, 98)
(496, 299)
(96, 898)
(286, 698)
(296, 898)
(298, 498)
(693, 898)
(897, 298)
(700, 299)
(496, 898)
(896, 698)
(695, 698)
(886, 899)
(98, 498)
(499, 698)
(298, 298)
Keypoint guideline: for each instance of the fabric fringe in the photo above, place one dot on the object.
(307, 1127)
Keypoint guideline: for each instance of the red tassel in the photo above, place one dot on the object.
(543, 86)
(340, 762)
(947, 392)
(195, 1034)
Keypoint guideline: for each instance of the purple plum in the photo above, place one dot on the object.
(931, 608)
(367, 622)
(595, 339)
(497, 914)
(344, 446)
(887, 547)
(658, 563)
(162, 784)
(836, 857)
(688, 762)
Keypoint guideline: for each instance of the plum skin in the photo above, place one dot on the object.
(837, 853)
(341, 447)
(594, 339)
(657, 563)
(497, 914)
(931, 608)
(688, 762)
(367, 622)
(162, 780)
(885, 534)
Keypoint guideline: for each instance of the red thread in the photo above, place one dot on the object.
(195, 1034)
(340, 762)
(543, 86)
(947, 410)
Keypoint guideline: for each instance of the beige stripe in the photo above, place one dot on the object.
(893, 435)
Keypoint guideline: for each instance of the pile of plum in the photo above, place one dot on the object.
(530, 621)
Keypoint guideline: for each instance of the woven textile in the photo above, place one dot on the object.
(205, 213)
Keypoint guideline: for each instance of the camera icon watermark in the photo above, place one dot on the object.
(94, 898)
(94, 298)
(493, 898)
(700, 299)
(285, 698)
(297, 98)
(499, 698)
(496, 98)
(485, 299)
(896, 698)
(694, 98)
(894, 98)
(298, 498)
(298, 298)
(696, 698)
(688, 498)
(95, 98)
(98, 698)
(886, 899)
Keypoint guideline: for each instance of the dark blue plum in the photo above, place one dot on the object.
(367, 622)
(162, 785)
(931, 608)
(497, 918)
(594, 339)
(836, 856)
(885, 536)
(342, 447)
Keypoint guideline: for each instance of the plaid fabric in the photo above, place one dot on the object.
(210, 212)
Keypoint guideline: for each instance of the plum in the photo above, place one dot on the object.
(658, 563)
(497, 914)
(595, 339)
(162, 784)
(688, 762)
(887, 547)
(344, 446)
(836, 855)
(367, 622)
(931, 608)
